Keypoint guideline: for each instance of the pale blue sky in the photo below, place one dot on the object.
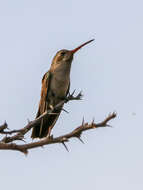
(108, 71)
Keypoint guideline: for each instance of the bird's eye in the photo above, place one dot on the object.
(63, 53)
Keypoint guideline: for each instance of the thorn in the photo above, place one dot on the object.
(25, 152)
(6, 125)
(92, 123)
(114, 113)
(65, 147)
(28, 121)
(80, 95)
(72, 93)
(108, 125)
(65, 110)
(83, 121)
(81, 140)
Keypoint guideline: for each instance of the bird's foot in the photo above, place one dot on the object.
(50, 137)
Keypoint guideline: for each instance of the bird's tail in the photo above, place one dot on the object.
(46, 125)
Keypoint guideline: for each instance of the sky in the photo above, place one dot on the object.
(109, 73)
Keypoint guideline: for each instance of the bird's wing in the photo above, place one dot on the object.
(44, 93)
(36, 132)
(68, 89)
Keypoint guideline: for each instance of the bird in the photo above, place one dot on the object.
(55, 87)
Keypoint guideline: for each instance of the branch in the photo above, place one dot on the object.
(21, 132)
(76, 133)
(7, 143)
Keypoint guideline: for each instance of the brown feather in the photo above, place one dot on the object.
(46, 124)
(43, 106)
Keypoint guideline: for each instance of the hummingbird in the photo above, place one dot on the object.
(55, 87)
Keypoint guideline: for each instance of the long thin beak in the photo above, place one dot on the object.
(79, 47)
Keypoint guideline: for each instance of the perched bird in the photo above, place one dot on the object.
(55, 87)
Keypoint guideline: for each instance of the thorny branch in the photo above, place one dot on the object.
(7, 143)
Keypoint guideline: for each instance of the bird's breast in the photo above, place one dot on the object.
(60, 84)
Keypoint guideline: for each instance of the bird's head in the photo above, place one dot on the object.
(63, 58)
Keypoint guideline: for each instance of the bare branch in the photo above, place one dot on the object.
(18, 135)
(76, 133)
(31, 124)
